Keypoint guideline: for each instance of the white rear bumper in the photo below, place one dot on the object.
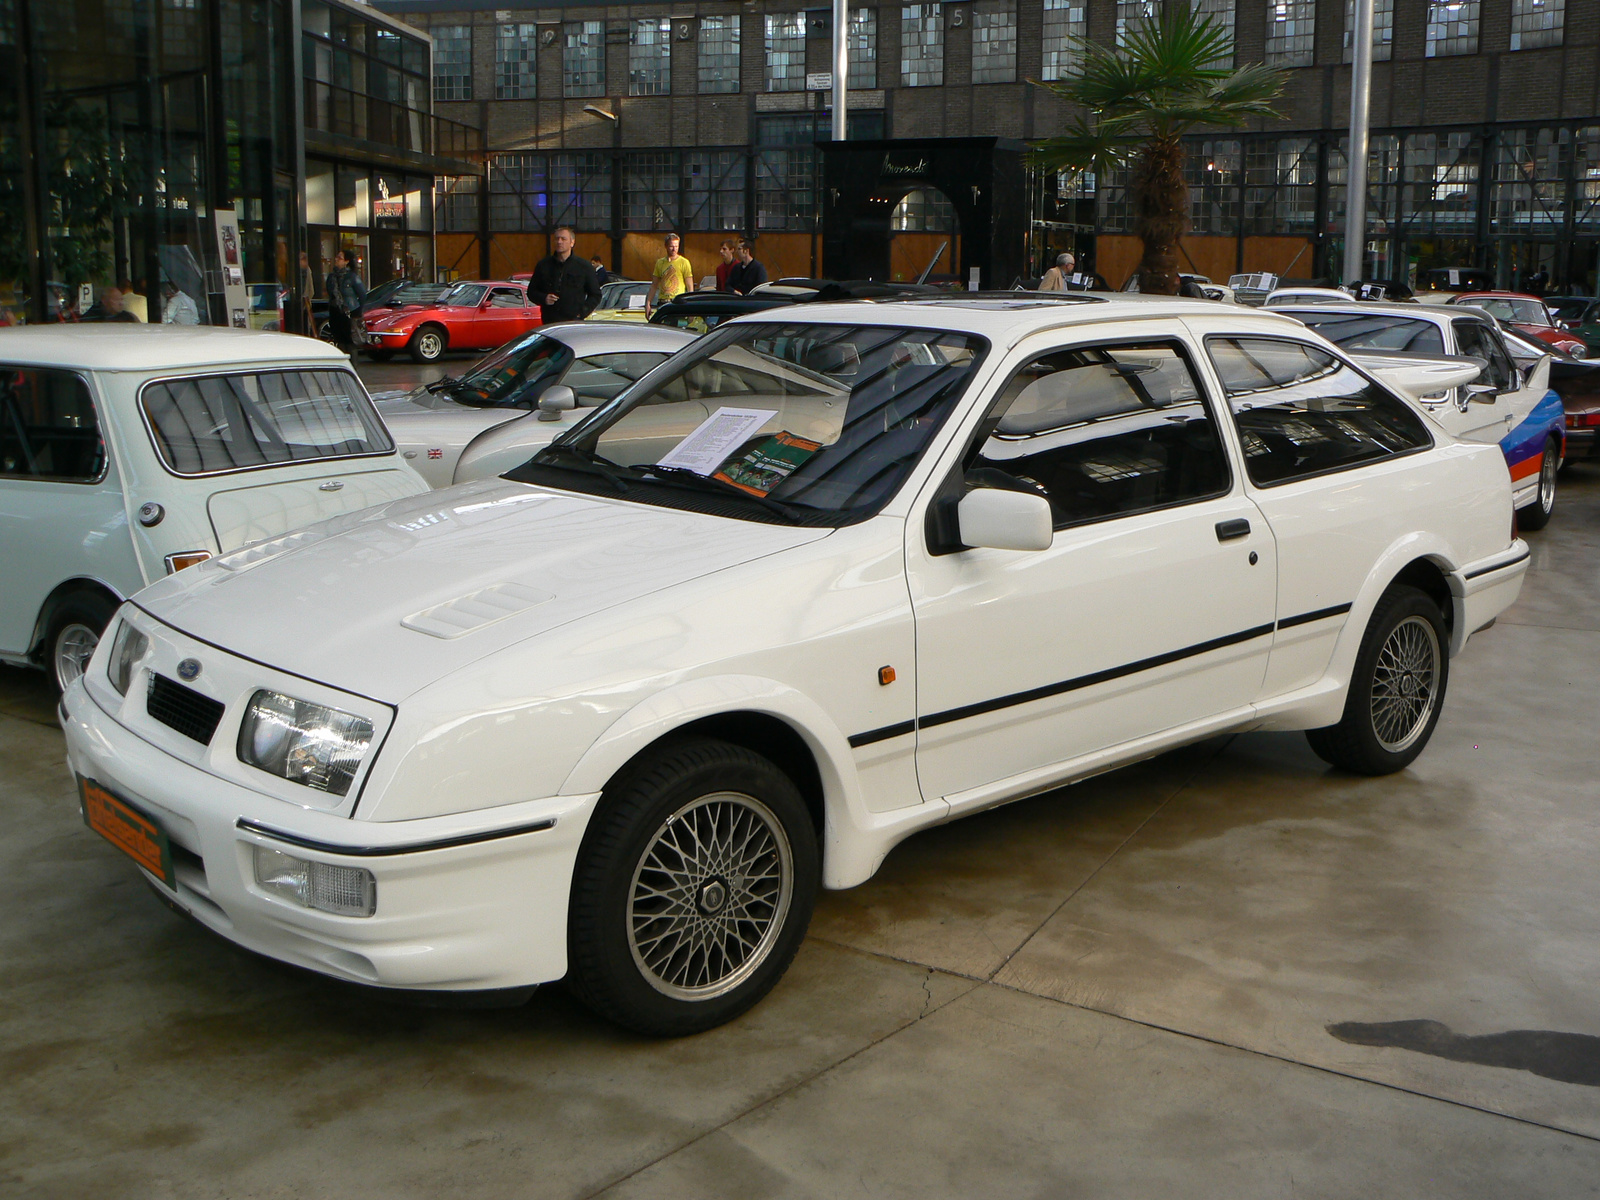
(466, 902)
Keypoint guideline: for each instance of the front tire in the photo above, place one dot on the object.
(427, 345)
(1396, 690)
(692, 891)
(1537, 514)
(75, 630)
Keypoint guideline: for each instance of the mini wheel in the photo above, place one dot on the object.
(692, 890)
(427, 344)
(1537, 514)
(1396, 690)
(74, 632)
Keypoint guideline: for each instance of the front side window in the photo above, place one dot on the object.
(806, 424)
(1103, 431)
(598, 378)
(1301, 411)
(922, 45)
(1357, 332)
(508, 298)
(1476, 340)
(215, 423)
(48, 427)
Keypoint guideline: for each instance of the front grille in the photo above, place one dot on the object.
(184, 709)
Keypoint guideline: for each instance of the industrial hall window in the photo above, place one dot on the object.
(1064, 20)
(994, 41)
(1133, 13)
(452, 62)
(1452, 27)
(1291, 32)
(863, 48)
(649, 56)
(1536, 23)
(583, 59)
(1382, 29)
(786, 52)
(719, 53)
(515, 51)
(922, 45)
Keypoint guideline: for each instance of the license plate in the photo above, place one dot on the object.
(128, 829)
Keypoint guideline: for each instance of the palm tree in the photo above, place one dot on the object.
(1137, 102)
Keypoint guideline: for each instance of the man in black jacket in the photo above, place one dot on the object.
(563, 285)
(747, 273)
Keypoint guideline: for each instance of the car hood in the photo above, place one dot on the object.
(421, 401)
(388, 600)
(382, 318)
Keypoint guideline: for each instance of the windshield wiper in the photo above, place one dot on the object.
(786, 511)
(438, 385)
(591, 463)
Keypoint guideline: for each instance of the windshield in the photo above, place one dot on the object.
(1372, 332)
(624, 295)
(513, 375)
(462, 295)
(1518, 312)
(414, 293)
(811, 424)
(212, 423)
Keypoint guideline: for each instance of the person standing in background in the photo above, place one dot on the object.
(345, 294)
(747, 273)
(178, 307)
(1055, 279)
(134, 301)
(672, 276)
(729, 250)
(601, 275)
(109, 308)
(308, 293)
(563, 285)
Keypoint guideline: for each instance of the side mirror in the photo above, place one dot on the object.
(555, 400)
(1005, 520)
(1482, 393)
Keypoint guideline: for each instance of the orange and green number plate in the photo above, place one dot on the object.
(128, 829)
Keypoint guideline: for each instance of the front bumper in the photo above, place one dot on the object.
(468, 902)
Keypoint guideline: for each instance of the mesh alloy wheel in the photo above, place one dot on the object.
(709, 896)
(1403, 684)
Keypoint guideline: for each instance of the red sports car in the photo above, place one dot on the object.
(1527, 315)
(478, 315)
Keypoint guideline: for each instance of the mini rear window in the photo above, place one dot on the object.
(212, 423)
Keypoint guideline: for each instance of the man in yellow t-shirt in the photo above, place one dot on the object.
(672, 277)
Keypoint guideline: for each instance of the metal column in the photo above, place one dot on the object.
(1355, 207)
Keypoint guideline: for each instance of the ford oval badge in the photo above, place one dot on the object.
(189, 670)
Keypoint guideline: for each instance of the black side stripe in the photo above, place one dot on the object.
(1307, 618)
(1499, 566)
(898, 729)
(465, 839)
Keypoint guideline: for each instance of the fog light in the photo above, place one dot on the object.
(347, 891)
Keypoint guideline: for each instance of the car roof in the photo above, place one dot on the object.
(618, 336)
(1497, 295)
(1009, 316)
(1438, 312)
(126, 346)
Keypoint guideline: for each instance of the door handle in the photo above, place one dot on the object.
(1236, 528)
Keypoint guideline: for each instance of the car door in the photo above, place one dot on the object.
(1151, 610)
(501, 317)
(61, 508)
(1485, 416)
(1335, 461)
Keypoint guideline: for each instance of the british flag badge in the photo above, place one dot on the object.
(436, 452)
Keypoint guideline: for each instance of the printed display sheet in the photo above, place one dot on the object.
(718, 436)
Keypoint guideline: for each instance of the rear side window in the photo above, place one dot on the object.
(1103, 431)
(1376, 332)
(48, 428)
(1301, 411)
(233, 422)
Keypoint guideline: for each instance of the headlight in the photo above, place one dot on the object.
(347, 891)
(302, 742)
(126, 652)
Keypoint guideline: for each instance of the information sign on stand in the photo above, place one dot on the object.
(229, 254)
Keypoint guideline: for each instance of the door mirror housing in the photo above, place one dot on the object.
(556, 399)
(1482, 393)
(998, 519)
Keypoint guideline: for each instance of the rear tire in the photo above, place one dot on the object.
(1537, 514)
(1396, 690)
(75, 630)
(692, 890)
(427, 344)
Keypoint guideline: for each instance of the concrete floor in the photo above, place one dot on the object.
(1226, 972)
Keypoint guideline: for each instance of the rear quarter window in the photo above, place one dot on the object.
(208, 424)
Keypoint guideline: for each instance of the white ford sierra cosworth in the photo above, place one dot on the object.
(820, 580)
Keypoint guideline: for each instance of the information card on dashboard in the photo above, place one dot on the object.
(718, 436)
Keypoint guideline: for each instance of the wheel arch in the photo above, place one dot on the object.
(77, 585)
